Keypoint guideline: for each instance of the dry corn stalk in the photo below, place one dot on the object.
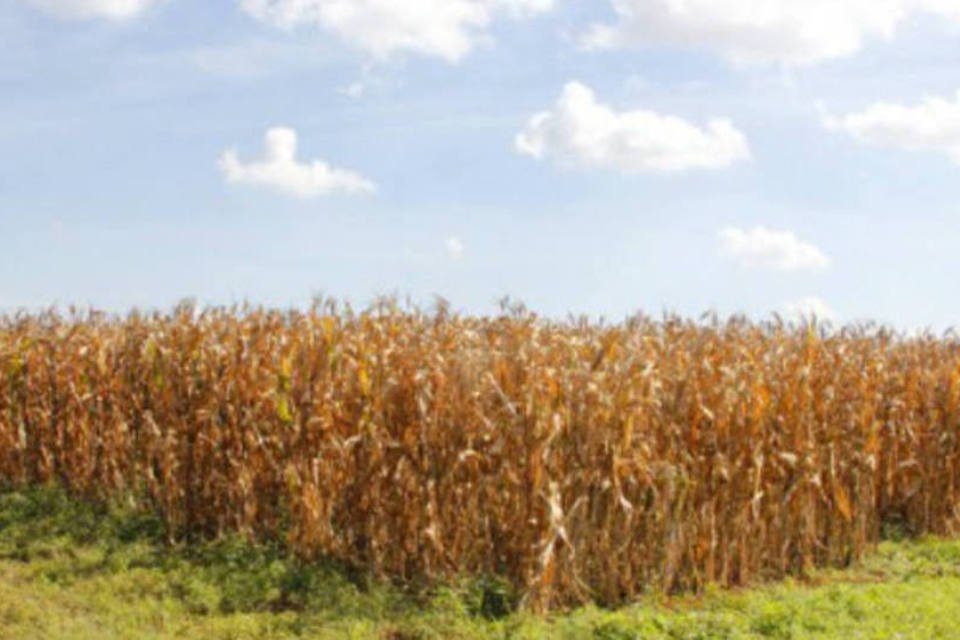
(582, 461)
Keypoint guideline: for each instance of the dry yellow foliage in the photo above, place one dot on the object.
(583, 461)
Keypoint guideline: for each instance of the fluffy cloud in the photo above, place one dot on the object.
(791, 32)
(110, 9)
(280, 170)
(769, 249)
(806, 309)
(454, 247)
(448, 29)
(580, 131)
(931, 125)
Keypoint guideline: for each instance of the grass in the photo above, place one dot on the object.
(71, 571)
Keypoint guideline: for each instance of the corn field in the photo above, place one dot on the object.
(579, 460)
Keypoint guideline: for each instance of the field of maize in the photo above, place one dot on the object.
(579, 460)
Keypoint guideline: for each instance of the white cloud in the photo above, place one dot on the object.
(770, 249)
(447, 29)
(806, 309)
(931, 125)
(580, 131)
(82, 9)
(354, 89)
(454, 247)
(281, 171)
(790, 32)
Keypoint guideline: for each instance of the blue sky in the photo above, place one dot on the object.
(835, 188)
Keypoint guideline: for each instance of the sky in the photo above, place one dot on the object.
(599, 158)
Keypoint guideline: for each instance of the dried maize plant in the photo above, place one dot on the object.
(580, 460)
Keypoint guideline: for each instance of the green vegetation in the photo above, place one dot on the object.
(70, 570)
